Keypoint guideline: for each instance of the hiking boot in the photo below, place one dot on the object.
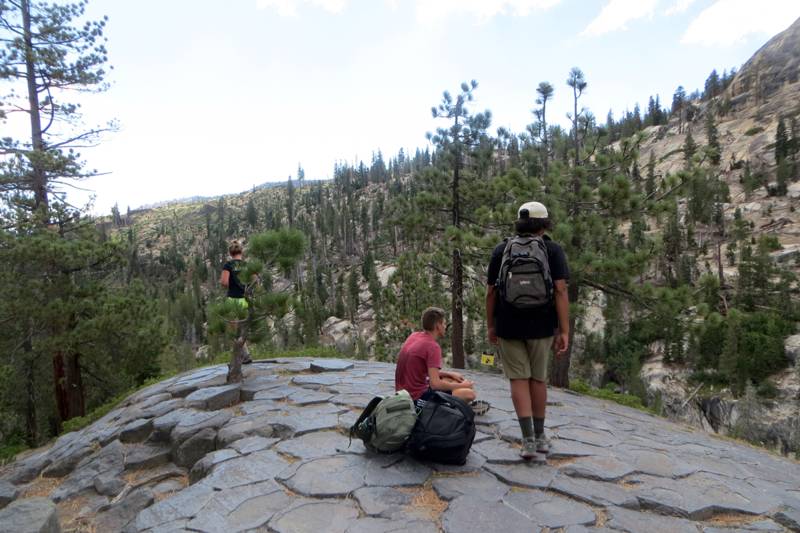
(542, 444)
(528, 450)
(479, 407)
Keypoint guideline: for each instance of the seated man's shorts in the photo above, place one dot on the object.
(526, 358)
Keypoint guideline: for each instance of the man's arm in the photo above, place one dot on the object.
(562, 311)
(437, 383)
(224, 278)
(490, 303)
(455, 376)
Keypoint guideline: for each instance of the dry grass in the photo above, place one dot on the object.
(425, 502)
(602, 517)
(456, 474)
(164, 495)
(558, 463)
(41, 487)
(628, 485)
(70, 517)
(288, 458)
(733, 519)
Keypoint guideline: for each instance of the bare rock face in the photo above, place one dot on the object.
(31, 515)
(773, 67)
(338, 333)
(792, 348)
(281, 461)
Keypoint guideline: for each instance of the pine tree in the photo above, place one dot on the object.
(545, 92)
(678, 103)
(714, 149)
(251, 214)
(781, 142)
(578, 84)
(272, 250)
(689, 148)
(47, 52)
(712, 86)
(465, 136)
(650, 182)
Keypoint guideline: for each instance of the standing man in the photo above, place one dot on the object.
(527, 313)
(419, 365)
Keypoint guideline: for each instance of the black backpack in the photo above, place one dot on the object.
(444, 430)
(525, 281)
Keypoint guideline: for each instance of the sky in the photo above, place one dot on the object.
(215, 97)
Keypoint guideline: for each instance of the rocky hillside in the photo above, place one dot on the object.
(193, 454)
(764, 91)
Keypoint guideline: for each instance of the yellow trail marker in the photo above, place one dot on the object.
(487, 359)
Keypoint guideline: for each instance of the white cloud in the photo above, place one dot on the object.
(727, 22)
(680, 6)
(483, 10)
(617, 13)
(288, 8)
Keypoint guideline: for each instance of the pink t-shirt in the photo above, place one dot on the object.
(419, 353)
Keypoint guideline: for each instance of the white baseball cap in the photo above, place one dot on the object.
(535, 210)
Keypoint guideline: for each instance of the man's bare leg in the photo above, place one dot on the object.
(538, 395)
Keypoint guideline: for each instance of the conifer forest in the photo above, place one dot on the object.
(664, 256)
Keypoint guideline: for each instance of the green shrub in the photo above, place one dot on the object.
(767, 389)
(754, 131)
(628, 400)
(8, 450)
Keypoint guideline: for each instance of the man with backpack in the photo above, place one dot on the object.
(419, 365)
(527, 313)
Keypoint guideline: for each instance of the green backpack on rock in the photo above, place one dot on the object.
(386, 423)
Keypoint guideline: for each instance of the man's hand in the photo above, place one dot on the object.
(561, 344)
(492, 336)
(465, 384)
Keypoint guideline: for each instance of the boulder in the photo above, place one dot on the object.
(338, 333)
(136, 431)
(195, 447)
(792, 348)
(202, 353)
(119, 514)
(8, 493)
(144, 456)
(214, 398)
(31, 515)
(787, 254)
(793, 191)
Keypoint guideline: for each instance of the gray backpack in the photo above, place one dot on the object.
(525, 281)
(386, 423)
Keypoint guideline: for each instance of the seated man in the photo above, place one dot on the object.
(420, 361)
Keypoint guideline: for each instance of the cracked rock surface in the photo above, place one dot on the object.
(271, 454)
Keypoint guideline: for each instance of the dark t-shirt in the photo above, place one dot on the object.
(540, 323)
(235, 287)
(419, 353)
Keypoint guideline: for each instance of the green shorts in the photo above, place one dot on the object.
(526, 358)
(241, 302)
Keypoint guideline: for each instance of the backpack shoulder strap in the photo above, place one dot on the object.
(366, 413)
